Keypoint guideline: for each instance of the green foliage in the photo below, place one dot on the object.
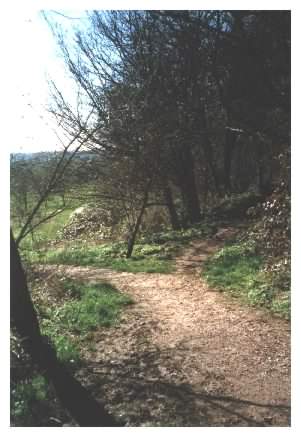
(238, 269)
(25, 394)
(146, 258)
(201, 230)
(281, 305)
(47, 231)
(70, 288)
(99, 305)
(68, 324)
(152, 253)
(270, 235)
(67, 347)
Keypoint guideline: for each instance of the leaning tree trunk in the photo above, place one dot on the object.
(133, 235)
(75, 398)
(22, 312)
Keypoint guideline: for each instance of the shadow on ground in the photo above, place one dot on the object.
(146, 388)
(140, 391)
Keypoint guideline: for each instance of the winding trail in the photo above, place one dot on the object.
(186, 355)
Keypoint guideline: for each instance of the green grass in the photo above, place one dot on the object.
(237, 269)
(48, 230)
(232, 267)
(146, 258)
(152, 253)
(68, 324)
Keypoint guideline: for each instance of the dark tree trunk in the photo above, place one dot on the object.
(205, 184)
(22, 312)
(264, 166)
(228, 154)
(175, 223)
(209, 158)
(207, 147)
(190, 201)
(76, 399)
(264, 178)
(133, 235)
(187, 185)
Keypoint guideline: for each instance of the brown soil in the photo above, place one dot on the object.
(186, 355)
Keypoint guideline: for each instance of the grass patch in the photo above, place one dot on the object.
(152, 254)
(146, 258)
(69, 324)
(281, 305)
(47, 231)
(237, 269)
(232, 267)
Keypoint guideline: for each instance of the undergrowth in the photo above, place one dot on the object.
(26, 397)
(153, 253)
(69, 324)
(181, 236)
(146, 258)
(239, 270)
(33, 399)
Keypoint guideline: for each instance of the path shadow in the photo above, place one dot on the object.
(138, 391)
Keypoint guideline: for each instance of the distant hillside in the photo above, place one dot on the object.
(21, 156)
(48, 155)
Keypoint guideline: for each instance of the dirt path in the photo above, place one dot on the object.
(185, 355)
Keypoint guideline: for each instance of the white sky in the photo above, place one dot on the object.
(30, 59)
